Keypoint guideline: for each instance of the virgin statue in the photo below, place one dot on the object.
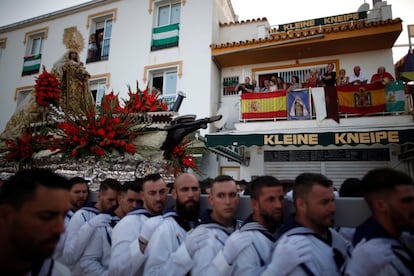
(75, 97)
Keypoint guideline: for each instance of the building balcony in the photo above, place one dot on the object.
(318, 109)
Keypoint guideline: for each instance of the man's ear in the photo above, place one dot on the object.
(174, 194)
(300, 203)
(6, 212)
(119, 197)
(255, 204)
(380, 205)
(210, 198)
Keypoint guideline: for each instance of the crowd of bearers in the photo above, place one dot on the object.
(130, 231)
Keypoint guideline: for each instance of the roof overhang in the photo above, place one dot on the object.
(382, 136)
(309, 43)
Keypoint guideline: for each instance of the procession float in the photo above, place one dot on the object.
(60, 127)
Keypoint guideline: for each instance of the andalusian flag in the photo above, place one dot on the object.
(264, 105)
(361, 99)
(165, 36)
(395, 99)
(31, 64)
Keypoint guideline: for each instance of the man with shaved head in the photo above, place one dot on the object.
(165, 255)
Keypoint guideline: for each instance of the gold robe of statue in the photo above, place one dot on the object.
(75, 98)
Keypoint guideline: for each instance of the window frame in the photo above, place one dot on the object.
(29, 37)
(3, 43)
(93, 22)
(99, 81)
(154, 71)
(19, 91)
(170, 13)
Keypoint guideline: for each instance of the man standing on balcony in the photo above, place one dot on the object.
(329, 77)
(358, 77)
(382, 76)
(245, 87)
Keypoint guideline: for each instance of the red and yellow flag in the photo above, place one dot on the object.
(264, 105)
(361, 99)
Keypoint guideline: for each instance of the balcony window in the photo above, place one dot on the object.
(98, 88)
(165, 33)
(34, 46)
(100, 39)
(2, 46)
(22, 96)
(165, 81)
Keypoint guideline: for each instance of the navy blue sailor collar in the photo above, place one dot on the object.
(370, 229)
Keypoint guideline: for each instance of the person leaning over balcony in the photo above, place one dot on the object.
(280, 83)
(295, 83)
(272, 86)
(379, 249)
(245, 87)
(255, 87)
(329, 77)
(312, 78)
(342, 78)
(382, 76)
(266, 86)
(358, 77)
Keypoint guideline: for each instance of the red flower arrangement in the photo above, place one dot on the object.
(22, 149)
(47, 89)
(99, 134)
(144, 101)
(181, 159)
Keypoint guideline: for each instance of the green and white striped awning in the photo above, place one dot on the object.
(165, 36)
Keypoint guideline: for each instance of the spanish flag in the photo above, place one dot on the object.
(264, 105)
(361, 99)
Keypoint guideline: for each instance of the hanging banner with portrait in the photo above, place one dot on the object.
(298, 105)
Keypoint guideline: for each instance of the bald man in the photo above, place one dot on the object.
(166, 249)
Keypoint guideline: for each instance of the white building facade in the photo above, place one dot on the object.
(198, 46)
